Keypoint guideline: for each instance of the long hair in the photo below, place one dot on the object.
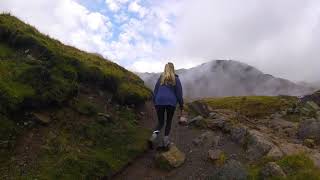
(168, 76)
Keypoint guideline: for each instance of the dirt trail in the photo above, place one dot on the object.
(196, 166)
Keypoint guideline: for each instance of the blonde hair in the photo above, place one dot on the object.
(168, 76)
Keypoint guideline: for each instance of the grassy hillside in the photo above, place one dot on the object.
(251, 106)
(63, 112)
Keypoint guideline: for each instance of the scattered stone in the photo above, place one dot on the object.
(183, 121)
(309, 143)
(275, 153)
(215, 124)
(200, 140)
(310, 129)
(41, 118)
(170, 159)
(197, 118)
(104, 118)
(232, 170)
(292, 149)
(227, 127)
(216, 141)
(272, 169)
(258, 145)
(238, 134)
(212, 115)
(216, 156)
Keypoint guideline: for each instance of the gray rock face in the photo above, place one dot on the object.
(258, 145)
(310, 129)
(272, 169)
(238, 134)
(232, 170)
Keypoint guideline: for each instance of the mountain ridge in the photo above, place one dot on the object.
(229, 78)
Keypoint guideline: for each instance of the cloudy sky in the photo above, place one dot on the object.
(280, 37)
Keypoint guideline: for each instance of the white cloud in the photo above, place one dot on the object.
(137, 8)
(65, 20)
(115, 5)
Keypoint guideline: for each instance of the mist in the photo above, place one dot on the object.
(278, 37)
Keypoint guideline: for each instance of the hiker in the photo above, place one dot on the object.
(167, 93)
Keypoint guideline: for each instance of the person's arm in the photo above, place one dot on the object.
(155, 91)
(179, 93)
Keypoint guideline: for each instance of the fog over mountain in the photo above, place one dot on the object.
(229, 78)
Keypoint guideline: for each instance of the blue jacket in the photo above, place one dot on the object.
(168, 94)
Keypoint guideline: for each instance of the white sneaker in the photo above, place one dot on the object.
(153, 138)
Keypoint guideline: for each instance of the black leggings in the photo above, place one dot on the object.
(161, 109)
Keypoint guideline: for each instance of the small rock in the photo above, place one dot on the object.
(215, 124)
(275, 153)
(200, 140)
(41, 118)
(216, 156)
(309, 143)
(292, 149)
(216, 141)
(183, 121)
(197, 118)
(142, 113)
(104, 118)
(170, 159)
(232, 170)
(25, 123)
(212, 115)
(272, 169)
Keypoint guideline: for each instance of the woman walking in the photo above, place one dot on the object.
(167, 93)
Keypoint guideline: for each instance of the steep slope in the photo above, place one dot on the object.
(64, 113)
(229, 78)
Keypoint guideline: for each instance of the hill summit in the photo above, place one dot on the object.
(229, 78)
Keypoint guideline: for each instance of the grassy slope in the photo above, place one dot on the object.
(297, 167)
(40, 74)
(252, 106)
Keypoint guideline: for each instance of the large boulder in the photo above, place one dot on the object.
(170, 159)
(257, 145)
(272, 170)
(310, 129)
(231, 170)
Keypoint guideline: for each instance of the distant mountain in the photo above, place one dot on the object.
(229, 78)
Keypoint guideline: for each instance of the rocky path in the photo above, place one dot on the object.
(194, 142)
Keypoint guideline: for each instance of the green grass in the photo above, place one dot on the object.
(54, 70)
(38, 73)
(252, 106)
(296, 167)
